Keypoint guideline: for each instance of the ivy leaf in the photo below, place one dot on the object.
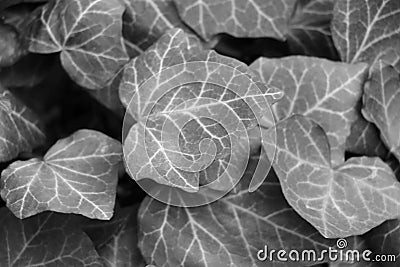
(346, 200)
(11, 48)
(88, 34)
(367, 31)
(48, 239)
(117, 242)
(310, 31)
(385, 239)
(225, 101)
(145, 21)
(19, 127)
(322, 90)
(77, 175)
(231, 230)
(364, 140)
(382, 104)
(240, 18)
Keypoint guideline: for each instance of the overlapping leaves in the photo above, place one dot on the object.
(48, 239)
(349, 199)
(323, 90)
(199, 95)
(367, 30)
(77, 175)
(88, 34)
(382, 104)
(19, 127)
(228, 232)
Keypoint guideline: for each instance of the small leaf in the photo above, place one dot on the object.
(240, 18)
(19, 127)
(341, 201)
(310, 32)
(48, 239)
(322, 90)
(193, 108)
(385, 239)
(228, 232)
(77, 175)
(118, 239)
(367, 31)
(145, 21)
(88, 33)
(382, 104)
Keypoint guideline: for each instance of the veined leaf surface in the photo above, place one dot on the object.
(240, 18)
(346, 200)
(322, 90)
(193, 108)
(88, 33)
(367, 31)
(77, 175)
(19, 127)
(382, 104)
(48, 239)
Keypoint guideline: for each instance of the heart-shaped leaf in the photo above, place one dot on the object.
(382, 104)
(193, 108)
(48, 239)
(367, 30)
(19, 127)
(346, 200)
(322, 90)
(310, 29)
(77, 175)
(230, 231)
(240, 18)
(145, 21)
(88, 33)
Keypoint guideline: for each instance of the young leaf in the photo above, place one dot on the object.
(239, 18)
(48, 239)
(322, 90)
(228, 232)
(182, 96)
(77, 175)
(364, 140)
(385, 239)
(145, 21)
(88, 33)
(367, 30)
(118, 244)
(382, 104)
(309, 29)
(19, 127)
(346, 200)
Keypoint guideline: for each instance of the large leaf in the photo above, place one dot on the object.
(367, 30)
(385, 239)
(19, 127)
(145, 21)
(182, 97)
(382, 104)
(323, 90)
(310, 31)
(48, 239)
(346, 200)
(240, 18)
(88, 33)
(77, 175)
(228, 232)
(117, 240)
